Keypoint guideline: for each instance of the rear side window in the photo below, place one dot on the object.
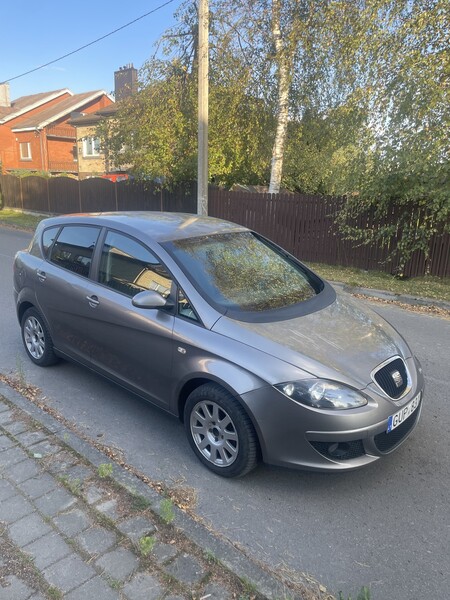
(129, 267)
(74, 248)
(48, 237)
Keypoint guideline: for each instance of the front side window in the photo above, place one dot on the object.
(129, 267)
(240, 271)
(25, 151)
(74, 248)
(91, 146)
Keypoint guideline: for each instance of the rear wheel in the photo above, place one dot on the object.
(220, 431)
(36, 339)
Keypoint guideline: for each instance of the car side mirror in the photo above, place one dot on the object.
(149, 299)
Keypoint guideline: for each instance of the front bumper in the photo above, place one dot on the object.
(293, 435)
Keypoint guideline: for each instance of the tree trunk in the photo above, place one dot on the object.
(284, 58)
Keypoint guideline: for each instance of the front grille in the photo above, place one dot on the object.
(387, 441)
(393, 378)
(339, 450)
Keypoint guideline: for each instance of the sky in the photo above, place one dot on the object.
(39, 32)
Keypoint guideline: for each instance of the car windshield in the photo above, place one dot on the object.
(241, 271)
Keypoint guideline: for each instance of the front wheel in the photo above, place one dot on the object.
(36, 339)
(220, 431)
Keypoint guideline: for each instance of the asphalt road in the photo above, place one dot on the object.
(387, 526)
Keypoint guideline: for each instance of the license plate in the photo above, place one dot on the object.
(399, 417)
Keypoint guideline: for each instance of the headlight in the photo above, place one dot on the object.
(321, 393)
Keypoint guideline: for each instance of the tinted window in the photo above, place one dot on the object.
(128, 267)
(74, 248)
(241, 271)
(48, 237)
(185, 308)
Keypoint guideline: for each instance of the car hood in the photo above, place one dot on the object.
(343, 341)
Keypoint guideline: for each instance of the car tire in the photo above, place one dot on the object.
(220, 432)
(37, 339)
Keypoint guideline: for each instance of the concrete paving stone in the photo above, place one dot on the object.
(109, 508)
(12, 456)
(79, 473)
(94, 494)
(6, 416)
(73, 522)
(38, 486)
(3, 407)
(22, 471)
(6, 490)
(54, 502)
(118, 564)
(143, 586)
(37, 596)
(61, 462)
(96, 540)
(45, 448)
(14, 508)
(94, 588)
(28, 438)
(28, 529)
(13, 588)
(186, 569)
(163, 552)
(16, 427)
(48, 550)
(68, 573)
(215, 591)
(5, 443)
(136, 527)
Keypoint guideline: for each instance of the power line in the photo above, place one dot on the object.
(90, 43)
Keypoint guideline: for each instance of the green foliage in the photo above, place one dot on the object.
(402, 165)
(146, 544)
(363, 594)
(25, 173)
(155, 132)
(166, 511)
(368, 109)
(105, 470)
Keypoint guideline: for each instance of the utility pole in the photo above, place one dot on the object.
(203, 59)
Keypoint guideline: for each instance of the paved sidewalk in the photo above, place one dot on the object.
(75, 526)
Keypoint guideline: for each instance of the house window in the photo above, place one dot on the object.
(25, 151)
(91, 146)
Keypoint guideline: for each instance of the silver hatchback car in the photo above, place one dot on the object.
(256, 354)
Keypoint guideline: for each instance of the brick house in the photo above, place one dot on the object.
(91, 159)
(35, 133)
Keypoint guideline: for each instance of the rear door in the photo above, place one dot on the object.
(62, 288)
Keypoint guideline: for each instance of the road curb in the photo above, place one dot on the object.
(391, 296)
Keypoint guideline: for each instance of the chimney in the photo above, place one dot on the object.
(4, 96)
(125, 82)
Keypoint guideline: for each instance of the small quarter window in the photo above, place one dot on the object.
(185, 308)
(74, 248)
(48, 237)
(128, 267)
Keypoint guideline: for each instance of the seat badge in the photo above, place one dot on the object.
(398, 379)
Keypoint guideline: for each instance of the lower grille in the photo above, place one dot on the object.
(387, 441)
(339, 450)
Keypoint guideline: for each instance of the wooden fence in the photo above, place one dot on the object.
(303, 224)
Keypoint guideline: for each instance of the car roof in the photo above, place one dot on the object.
(160, 226)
